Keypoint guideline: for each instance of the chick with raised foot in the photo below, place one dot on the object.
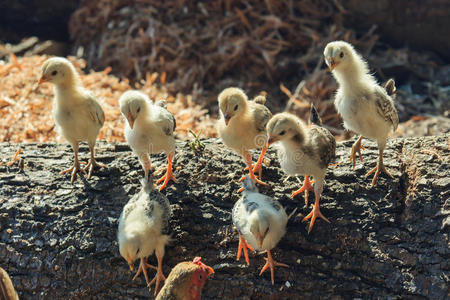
(77, 114)
(304, 150)
(242, 126)
(367, 108)
(185, 281)
(143, 229)
(149, 129)
(261, 222)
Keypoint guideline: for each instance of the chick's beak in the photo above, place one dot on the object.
(227, 119)
(271, 140)
(130, 120)
(332, 64)
(42, 79)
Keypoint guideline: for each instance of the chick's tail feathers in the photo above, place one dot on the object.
(390, 88)
(314, 117)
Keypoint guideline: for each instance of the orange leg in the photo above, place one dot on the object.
(159, 276)
(270, 263)
(307, 187)
(169, 174)
(315, 212)
(380, 166)
(143, 266)
(251, 174)
(92, 162)
(243, 245)
(258, 166)
(76, 165)
(356, 148)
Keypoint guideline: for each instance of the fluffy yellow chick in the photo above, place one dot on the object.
(366, 107)
(77, 114)
(242, 126)
(149, 129)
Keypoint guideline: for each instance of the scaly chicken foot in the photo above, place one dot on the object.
(378, 169)
(356, 148)
(158, 277)
(169, 174)
(243, 245)
(307, 187)
(315, 212)
(271, 263)
(143, 266)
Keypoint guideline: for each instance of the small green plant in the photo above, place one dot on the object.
(196, 145)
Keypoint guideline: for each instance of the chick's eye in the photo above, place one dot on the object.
(341, 55)
(283, 132)
(139, 109)
(200, 276)
(235, 107)
(54, 73)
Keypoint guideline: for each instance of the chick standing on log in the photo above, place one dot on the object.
(149, 129)
(78, 116)
(242, 126)
(261, 221)
(143, 227)
(304, 150)
(185, 281)
(366, 107)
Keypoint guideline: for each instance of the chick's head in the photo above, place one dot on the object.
(129, 248)
(283, 126)
(58, 70)
(259, 226)
(132, 104)
(232, 102)
(199, 277)
(338, 54)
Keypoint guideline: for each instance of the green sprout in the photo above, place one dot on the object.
(196, 145)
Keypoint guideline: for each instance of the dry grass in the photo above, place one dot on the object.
(25, 107)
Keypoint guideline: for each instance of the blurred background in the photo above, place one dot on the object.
(186, 52)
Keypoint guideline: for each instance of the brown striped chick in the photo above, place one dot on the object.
(303, 150)
(242, 126)
(149, 129)
(367, 108)
(77, 114)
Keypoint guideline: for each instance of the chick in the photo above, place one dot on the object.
(78, 116)
(149, 129)
(242, 126)
(7, 291)
(185, 281)
(366, 107)
(304, 150)
(143, 229)
(261, 221)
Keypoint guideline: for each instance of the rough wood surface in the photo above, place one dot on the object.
(58, 240)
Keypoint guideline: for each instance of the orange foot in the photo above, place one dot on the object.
(74, 170)
(307, 187)
(253, 177)
(143, 266)
(168, 176)
(315, 212)
(377, 170)
(158, 277)
(92, 165)
(243, 245)
(356, 148)
(270, 263)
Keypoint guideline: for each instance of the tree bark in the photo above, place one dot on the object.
(58, 240)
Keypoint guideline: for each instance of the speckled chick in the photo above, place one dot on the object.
(367, 108)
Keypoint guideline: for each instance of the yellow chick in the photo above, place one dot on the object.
(77, 114)
(242, 126)
(367, 108)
